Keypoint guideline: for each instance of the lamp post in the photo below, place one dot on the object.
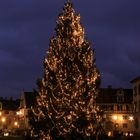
(3, 120)
(115, 118)
(131, 119)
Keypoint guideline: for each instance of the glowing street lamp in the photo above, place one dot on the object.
(3, 119)
(131, 118)
(115, 117)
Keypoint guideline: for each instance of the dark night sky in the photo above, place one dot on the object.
(112, 26)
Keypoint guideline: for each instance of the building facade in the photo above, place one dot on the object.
(8, 119)
(117, 105)
(27, 100)
(136, 101)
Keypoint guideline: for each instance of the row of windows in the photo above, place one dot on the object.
(124, 125)
(7, 112)
(116, 107)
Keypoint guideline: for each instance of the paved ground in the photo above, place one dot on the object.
(116, 138)
(10, 138)
(124, 138)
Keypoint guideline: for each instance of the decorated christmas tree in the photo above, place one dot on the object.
(66, 102)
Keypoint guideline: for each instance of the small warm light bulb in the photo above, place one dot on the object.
(109, 133)
(0, 113)
(16, 123)
(69, 117)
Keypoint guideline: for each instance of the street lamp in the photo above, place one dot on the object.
(3, 119)
(115, 117)
(131, 118)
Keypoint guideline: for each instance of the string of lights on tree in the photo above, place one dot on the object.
(66, 103)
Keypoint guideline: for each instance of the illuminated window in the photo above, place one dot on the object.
(123, 107)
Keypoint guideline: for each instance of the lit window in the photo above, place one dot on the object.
(120, 118)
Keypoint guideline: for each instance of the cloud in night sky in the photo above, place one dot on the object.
(112, 27)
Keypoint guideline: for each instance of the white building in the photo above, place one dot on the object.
(117, 105)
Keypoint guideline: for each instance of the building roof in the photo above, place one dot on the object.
(8, 104)
(135, 79)
(110, 95)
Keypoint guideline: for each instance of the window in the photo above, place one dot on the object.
(136, 123)
(135, 106)
(125, 117)
(119, 107)
(139, 105)
(115, 107)
(135, 90)
(139, 89)
(125, 125)
(127, 108)
(110, 107)
(6, 112)
(123, 107)
(0, 106)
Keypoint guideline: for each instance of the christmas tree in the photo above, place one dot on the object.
(66, 102)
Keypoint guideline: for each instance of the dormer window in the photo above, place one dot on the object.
(120, 96)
